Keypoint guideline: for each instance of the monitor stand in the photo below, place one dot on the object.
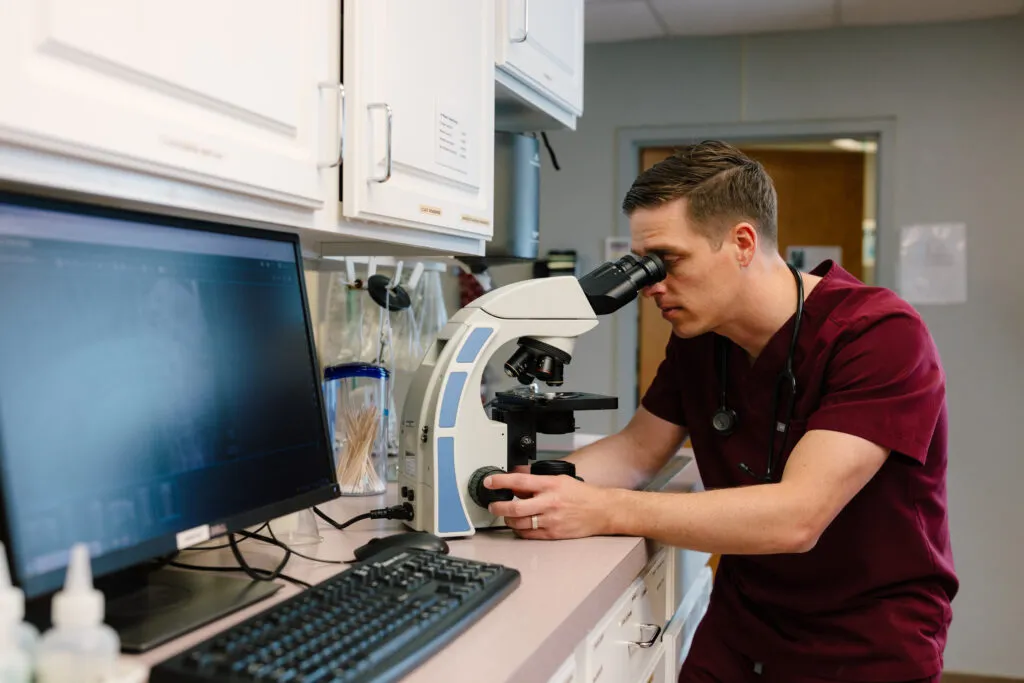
(148, 609)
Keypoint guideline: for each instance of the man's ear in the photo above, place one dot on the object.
(744, 241)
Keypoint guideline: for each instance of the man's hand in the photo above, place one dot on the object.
(564, 507)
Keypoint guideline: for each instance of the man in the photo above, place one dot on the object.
(828, 505)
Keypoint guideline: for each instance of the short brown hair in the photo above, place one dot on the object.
(720, 183)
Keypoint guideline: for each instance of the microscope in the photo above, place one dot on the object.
(449, 443)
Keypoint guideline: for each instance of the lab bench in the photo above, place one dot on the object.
(592, 609)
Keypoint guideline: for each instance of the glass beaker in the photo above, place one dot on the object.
(357, 403)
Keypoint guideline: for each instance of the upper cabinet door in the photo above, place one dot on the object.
(225, 93)
(419, 113)
(541, 42)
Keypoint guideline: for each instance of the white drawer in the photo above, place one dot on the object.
(659, 586)
(689, 565)
(679, 632)
(658, 670)
(625, 641)
(568, 672)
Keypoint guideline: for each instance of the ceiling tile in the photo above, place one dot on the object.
(860, 12)
(620, 20)
(711, 17)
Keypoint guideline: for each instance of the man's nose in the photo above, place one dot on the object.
(654, 290)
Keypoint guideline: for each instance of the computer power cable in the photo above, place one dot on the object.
(254, 573)
(403, 511)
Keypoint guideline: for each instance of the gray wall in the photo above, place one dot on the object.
(956, 93)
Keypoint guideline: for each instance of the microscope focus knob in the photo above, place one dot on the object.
(482, 495)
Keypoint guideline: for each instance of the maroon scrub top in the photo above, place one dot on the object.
(871, 600)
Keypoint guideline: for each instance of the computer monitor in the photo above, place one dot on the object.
(159, 386)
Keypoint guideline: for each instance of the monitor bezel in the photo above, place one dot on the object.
(125, 559)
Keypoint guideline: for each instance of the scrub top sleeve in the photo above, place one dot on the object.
(664, 398)
(884, 384)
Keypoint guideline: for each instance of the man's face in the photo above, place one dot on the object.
(701, 281)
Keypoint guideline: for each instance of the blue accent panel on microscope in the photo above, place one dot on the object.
(471, 349)
(450, 515)
(451, 398)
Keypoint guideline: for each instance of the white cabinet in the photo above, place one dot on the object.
(539, 61)
(235, 110)
(628, 638)
(222, 94)
(419, 116)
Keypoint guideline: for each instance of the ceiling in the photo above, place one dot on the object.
(619, 20)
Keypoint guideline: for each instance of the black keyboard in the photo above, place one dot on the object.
(375, 621)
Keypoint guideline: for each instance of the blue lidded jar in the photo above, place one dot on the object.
(356, 401)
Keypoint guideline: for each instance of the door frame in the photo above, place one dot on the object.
(631, 140)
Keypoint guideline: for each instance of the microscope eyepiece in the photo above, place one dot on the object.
(612, 285)
(654, 270)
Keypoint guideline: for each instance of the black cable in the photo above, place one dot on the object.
(201, 567)
(297, 582)
(554, 160)
(284, 546)
(340, 527)
(256, 573)
(403, 511)
(260, 528)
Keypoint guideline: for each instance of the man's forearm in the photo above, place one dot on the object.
(744, 521)
(615, 461)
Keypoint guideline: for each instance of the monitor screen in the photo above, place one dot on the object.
(158, 384)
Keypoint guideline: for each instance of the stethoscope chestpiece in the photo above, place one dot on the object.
(724, 421)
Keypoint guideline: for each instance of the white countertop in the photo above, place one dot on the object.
(566, 587)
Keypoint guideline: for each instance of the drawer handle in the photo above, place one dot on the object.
(651, 633)
(660, 584)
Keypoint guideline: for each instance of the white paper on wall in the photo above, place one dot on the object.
(933, 263)
(616, 246)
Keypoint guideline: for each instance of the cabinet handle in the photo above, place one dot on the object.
(387, 132)
(654, 630)
(526, 23)
(340, 90)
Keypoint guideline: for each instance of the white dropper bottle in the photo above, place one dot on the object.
(15, 666)
(12, 611)
(79, 648)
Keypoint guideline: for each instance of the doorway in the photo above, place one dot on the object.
(827, 210)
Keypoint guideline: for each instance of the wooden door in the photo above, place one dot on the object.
(419, 114)
(221, 93)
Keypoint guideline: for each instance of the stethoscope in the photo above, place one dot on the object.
(724, 420)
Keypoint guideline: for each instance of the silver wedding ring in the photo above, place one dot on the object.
(533, 521)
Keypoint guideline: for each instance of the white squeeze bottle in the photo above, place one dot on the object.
(15, 666)
(79, 648)
(12, 612)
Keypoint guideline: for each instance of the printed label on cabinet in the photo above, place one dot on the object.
(452, 138)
